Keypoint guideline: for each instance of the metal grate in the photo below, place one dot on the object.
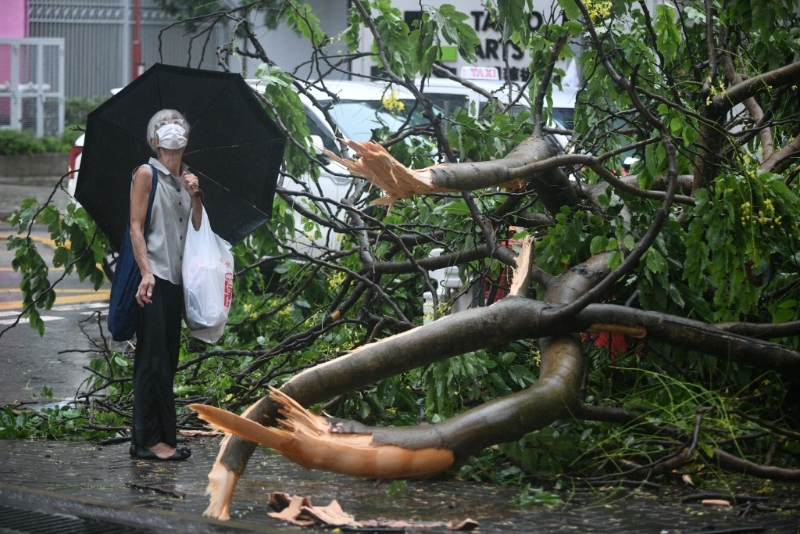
(98, 36)
(17, 520)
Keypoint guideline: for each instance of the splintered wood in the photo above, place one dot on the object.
(301, 512)
(308, 440)
(379, 167)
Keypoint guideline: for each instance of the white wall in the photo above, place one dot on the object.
(289, 51)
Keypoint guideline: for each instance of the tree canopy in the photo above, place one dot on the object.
(651, 324)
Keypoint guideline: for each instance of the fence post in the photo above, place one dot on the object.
(16, 93)
(125, 45)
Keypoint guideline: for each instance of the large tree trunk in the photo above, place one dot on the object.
(555, 394)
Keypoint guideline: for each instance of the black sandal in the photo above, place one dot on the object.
(178, 456)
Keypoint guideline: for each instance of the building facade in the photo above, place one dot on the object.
(99, 40)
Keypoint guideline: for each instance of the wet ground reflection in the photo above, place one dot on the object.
(108, 474)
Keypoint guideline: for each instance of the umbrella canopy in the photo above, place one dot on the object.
(234, 148)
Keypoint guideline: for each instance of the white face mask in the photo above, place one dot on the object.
(171, 136)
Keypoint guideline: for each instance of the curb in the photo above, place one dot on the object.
(30, 181)
(34, 164)
(31, 507)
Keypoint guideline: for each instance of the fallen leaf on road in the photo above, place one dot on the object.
(301, 512)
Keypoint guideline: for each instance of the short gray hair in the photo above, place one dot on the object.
(163, 115)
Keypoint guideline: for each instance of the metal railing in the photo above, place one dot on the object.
(32, 85)
(99, 37)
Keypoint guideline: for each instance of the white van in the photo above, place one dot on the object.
(358, 108)
(448, 94)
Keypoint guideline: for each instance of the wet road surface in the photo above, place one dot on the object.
(89, 480)
(76, 486)
(56, 362)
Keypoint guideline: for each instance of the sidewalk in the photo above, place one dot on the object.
(75, 486)
(14, 190)
(59, 487)
(65, 485)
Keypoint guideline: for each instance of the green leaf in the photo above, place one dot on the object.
(598, 244)
(668, 36)
(676, 296)
(301, 18)
(570, 7)
(456, 207)
(629, 242)
(655, 261)
(676, 125)
(614, 259)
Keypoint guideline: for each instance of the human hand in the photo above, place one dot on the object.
(144, 293)
(191, 184)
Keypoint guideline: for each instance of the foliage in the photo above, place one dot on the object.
(727, 250)
(55, 421)
(14, 142)
(24, 143)
(77, 109)
(449, 23)
(754, 216)
(536, 497)
(78, 249)
(192, 12)
(708, 406)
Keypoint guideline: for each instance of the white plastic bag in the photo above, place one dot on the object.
(207, 281)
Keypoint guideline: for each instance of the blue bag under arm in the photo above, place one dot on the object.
(122, 313)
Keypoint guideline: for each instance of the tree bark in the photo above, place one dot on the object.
(555, 394)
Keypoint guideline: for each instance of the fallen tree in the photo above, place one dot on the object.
(651, 327)
(658, 115)
(556, 393)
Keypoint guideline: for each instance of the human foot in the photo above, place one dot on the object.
(162, 451)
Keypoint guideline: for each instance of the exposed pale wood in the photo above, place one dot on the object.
(311, 441)
(522, 274)
(377, 166)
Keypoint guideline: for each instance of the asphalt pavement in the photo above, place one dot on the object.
(60, 487)
(14, 190)
(75, 486)
(57, 361)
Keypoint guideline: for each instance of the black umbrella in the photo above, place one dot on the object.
(234, 148)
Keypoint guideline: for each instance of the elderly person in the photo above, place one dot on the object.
(160, 293)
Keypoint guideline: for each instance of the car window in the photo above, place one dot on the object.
(448, 103)
(565, 117)
(358, 118)
(316, 128)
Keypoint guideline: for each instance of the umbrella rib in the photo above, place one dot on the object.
(233, 193)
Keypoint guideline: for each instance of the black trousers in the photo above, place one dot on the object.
(158, 338)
